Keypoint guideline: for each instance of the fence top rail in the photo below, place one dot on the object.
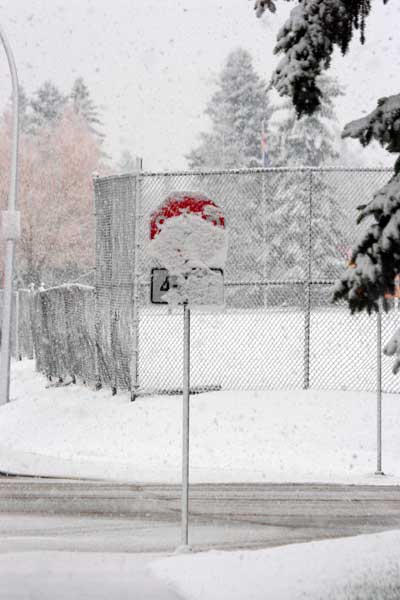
(248, 171)
(65, 286)
(258, 282)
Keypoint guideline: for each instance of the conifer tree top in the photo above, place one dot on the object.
(84, 106)
(47, 104)
(236, 111)
(311, 140)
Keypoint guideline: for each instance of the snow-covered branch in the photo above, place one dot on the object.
(307, 41)
(376, 258)
(261, 6)
(382, 124)
(392, 348)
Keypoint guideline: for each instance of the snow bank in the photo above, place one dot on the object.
(81, 575)
(363, 567)
(275, 436)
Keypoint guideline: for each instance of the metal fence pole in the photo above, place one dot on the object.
(134, 366)
(379, 393)
(307, 318)
(185, 429)
(97, 320)
(264, 258)
(12, 235)
(32, 319)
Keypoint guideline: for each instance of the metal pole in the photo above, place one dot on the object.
(264, 201)
(10, 233)
(379, 393)
(307, 318)
(185, 430)
(264, 255)
(134, 368)
(17, 350)
(97, 319)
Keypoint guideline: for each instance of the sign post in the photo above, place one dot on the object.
(187, 236)
(379, 470)
(185, 426)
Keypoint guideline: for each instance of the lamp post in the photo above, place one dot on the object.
(10, 233)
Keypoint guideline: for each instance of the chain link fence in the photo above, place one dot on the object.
(290, 235)
(63, 331)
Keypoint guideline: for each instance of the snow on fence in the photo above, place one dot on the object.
(63, 331)
(290, 233)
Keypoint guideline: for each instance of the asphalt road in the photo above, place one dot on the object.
(92, 516)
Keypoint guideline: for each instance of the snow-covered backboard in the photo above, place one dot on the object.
(204, 290)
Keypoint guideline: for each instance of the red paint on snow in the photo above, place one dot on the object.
(186, 203)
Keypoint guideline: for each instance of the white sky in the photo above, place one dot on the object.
(150, 64)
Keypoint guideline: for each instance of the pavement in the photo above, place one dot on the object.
(92, 516)
(96, 540)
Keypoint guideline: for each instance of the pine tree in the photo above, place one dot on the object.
(308, 141)
(312, 140)
(84, 106)
(126, 164)
(308, 39)
(236, 111)
(47, 106)
(376, 257)
(24, 116)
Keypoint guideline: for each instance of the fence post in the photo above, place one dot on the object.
(97, 375)
(184, 547)
(307, 317)
(264, 259)
(31, 300)
(134, 365)
(379, 392)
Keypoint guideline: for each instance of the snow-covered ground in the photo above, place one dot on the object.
(358, 568)
(264, 349)
(79, 576)
(276, 436)
(236, 436)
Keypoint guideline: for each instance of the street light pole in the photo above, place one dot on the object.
(10, 233)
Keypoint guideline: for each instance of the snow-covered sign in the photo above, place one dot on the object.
(188, 238)
(208, 291)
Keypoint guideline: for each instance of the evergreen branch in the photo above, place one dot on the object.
(382, 124)
(376, 259)
(308, 39)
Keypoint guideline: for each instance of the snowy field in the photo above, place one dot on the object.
(275, 436)
(264, 349)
